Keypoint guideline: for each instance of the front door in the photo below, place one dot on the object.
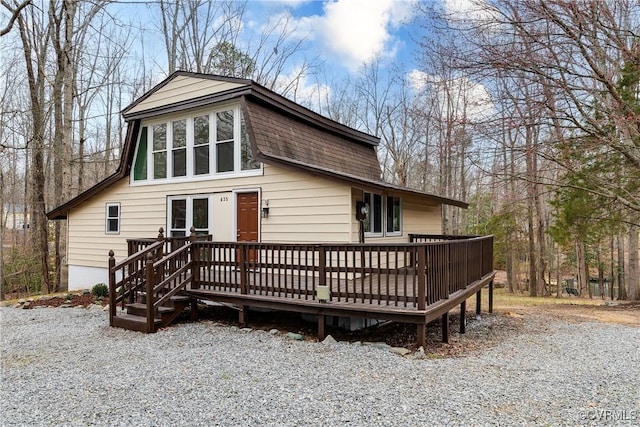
(247, 217)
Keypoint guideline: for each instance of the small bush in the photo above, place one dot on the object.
(100, 290)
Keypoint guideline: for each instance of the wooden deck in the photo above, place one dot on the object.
(415, 282)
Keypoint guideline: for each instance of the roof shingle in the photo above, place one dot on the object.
(279, 135)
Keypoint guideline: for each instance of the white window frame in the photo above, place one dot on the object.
(383, 207)
(370, 214)
(167, 150)
(191, 176)
(107, 218)
(386, 209)
(189, 211)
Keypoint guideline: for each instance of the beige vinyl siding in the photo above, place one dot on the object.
(303, 208)
(183, 88)
(418, 217)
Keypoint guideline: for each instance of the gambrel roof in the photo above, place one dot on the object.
(280, 132)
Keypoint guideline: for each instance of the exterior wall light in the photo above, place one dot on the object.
(265, 209)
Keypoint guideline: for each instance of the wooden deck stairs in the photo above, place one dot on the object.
(135, 317)
(156, 270)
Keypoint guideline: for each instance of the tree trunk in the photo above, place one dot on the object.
(613, 280)
(35, 67)
(622, 289)
(558, 274)
(634, 269)
(533, 288)
(581, 264)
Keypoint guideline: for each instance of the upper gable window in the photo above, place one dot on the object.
(195, 146)
(159, 151)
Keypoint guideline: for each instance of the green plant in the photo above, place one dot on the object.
(100, 290)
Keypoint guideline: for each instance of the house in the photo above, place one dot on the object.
(15, 217)
(235, 160)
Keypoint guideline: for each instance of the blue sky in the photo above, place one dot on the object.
(343, 34)
(348, 33)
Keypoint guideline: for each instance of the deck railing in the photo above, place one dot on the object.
(128, 277)
(387, 274)
(170, 243)
(410, 276)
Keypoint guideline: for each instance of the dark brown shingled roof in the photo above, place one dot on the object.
(282, 136)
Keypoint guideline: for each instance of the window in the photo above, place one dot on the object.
(140, 166)
(178, 223)
(224, 141)
(159, 151)
(248, 162)
(197, 146)
(384, 214)
(394, 215)
(373, 221)
(112, 218)
(185, 212)
(179, 145)
(201, 145)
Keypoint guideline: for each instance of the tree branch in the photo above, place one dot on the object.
(14, 15)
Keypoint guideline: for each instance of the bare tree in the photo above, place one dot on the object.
(35, 37)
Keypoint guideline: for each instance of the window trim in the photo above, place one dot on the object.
(383, 212)
(400, 221)
(107, 218)
(189, 118)
(370, 214)
(189, 211)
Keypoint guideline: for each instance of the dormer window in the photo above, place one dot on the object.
(202, 145)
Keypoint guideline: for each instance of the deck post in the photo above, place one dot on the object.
(112, 288)
(193, 315)
(195, 261)
(463, 317)
(321, 323)
(422, 334)
(445, 327)
(421, 271)
(243, 313)
(479, 301)
(322, 268)
(491, 296)
(149, 290)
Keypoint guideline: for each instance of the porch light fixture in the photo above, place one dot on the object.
(265, 209)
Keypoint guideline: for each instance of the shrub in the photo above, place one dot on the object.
(100, 290)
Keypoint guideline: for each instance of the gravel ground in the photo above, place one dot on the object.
(66, 367)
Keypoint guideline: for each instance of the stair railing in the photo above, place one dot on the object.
(128, 276)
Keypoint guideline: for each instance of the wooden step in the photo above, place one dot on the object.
(133, 322)
(140, 309)
(176, 298)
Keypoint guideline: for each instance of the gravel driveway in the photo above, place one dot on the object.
(67, 367)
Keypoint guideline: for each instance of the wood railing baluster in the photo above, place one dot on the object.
(149, 293)
(322, 270)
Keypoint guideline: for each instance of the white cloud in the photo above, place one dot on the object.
(358, 31)
(302, 90)
(479, 103)
(469, 10)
